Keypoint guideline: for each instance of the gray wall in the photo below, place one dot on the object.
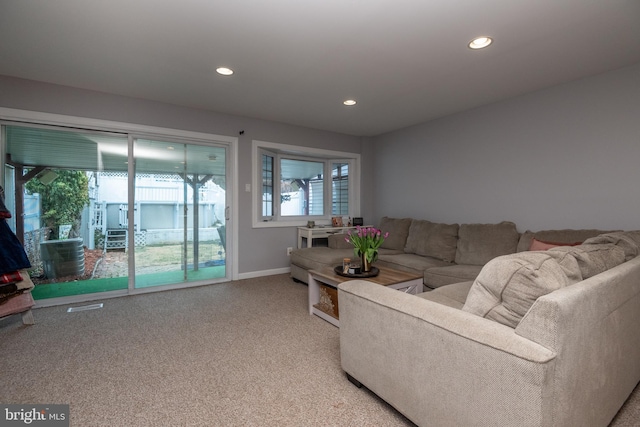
(562, 157)
(568, 156)
(259, 249)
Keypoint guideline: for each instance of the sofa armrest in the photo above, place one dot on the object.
(360, 298)
(430, 361)
(594, 327)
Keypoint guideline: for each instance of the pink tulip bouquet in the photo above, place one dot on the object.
(366, 241)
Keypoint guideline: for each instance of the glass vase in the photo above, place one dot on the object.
(365, 265)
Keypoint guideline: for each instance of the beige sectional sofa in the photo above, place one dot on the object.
(538, 338)
(442, 253)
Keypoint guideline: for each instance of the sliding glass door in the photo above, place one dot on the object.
(89, 225)
(64, 189)
(179, 215)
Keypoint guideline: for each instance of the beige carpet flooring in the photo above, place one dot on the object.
(244, 353)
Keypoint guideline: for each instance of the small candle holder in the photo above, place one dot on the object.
(354, 268)
(346, 263)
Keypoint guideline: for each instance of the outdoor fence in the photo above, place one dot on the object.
(31, 245)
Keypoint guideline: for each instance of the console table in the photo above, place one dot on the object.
(319, 232)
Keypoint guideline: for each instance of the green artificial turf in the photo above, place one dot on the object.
(82, 287)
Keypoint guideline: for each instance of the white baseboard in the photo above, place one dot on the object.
(252, 274)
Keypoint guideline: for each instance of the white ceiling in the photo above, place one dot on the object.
(295, 61)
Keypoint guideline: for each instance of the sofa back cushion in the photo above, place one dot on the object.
(507, 286)
(566, 236)
(398, 229)
(338, 241)
(634, 235)
(594, 258)
(431, 239)
(539, 245)
(623, 240)
(480, 243)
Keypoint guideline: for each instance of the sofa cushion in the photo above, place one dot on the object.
(621, 240)
(398, 229)
(508, 285)
(453, 295)
(428, 238)
(593, 259)
(337, 241)
(318, 257)
(440, 276)
(539, 245)
(479, 243)
(567, 236)
(633, 235)
(408, 262)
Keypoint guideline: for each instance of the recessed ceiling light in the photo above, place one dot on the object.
(224, 71)
(480, 42)
(349, 102)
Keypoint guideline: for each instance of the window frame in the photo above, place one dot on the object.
(338, 202)
(285, 151)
